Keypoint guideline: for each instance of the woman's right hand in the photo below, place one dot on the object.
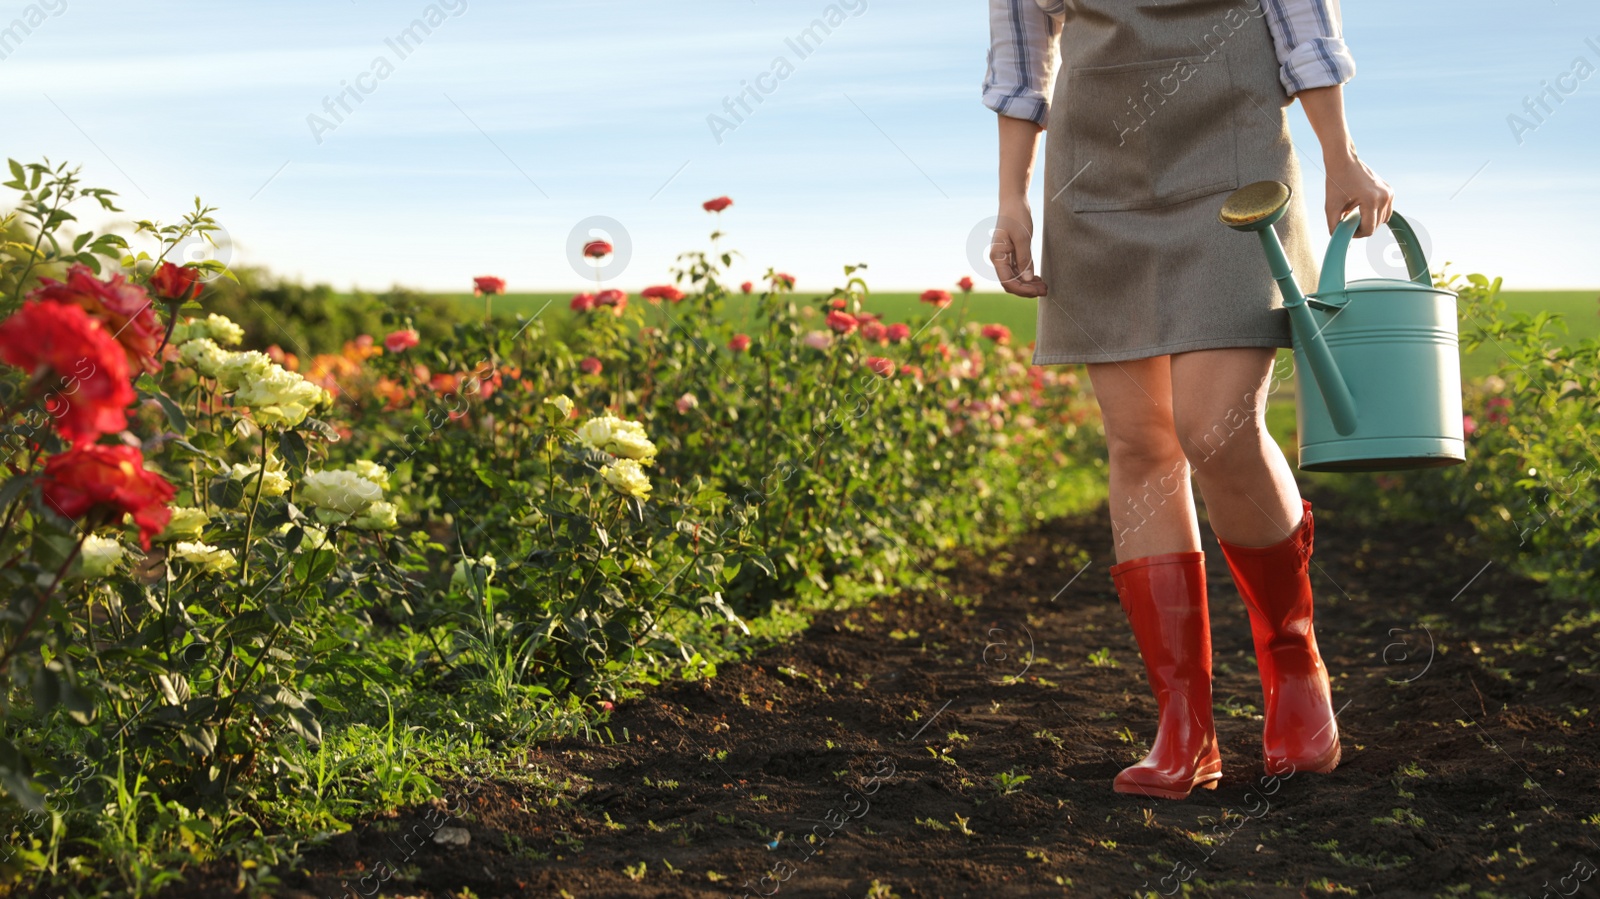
(1011, 250)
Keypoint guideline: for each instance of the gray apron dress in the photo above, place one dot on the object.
(1160, 110)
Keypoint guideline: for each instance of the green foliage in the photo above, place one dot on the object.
(1528, 484)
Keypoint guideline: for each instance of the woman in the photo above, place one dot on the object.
(1161, 108)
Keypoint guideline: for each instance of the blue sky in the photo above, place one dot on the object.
(511, 123)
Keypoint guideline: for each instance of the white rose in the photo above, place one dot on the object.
(596, 432)
(338, 494)
(205, 557)
(280, 397)
(187, 523)
(380, 516)
(619, 437)
(100, 555)
(372, 471)
(626, 477)
(221, 329)
(204, 356)
(239, 369)
(634, 446)
(276, 482)
(562, 403)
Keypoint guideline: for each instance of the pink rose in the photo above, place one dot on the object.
(841, 322)
(400, 341)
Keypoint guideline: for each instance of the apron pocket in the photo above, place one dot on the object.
(1149, 134)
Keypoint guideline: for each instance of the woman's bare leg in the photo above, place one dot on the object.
(1152, 507)
(1220, 411)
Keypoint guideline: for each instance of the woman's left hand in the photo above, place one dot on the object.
(1352, 185)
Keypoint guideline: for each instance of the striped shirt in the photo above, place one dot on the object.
(1024, 46)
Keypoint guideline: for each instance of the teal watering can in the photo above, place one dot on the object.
(1384, 391)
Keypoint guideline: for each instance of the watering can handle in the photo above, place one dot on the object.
(1332, 281)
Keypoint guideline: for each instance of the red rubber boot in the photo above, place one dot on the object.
(1164, 597)
(1300, 733)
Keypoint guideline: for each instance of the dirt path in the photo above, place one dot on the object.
(1468, 720)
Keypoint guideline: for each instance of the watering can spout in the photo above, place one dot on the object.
(1257, 207)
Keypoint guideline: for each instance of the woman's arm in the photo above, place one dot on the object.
(1314, 65)
(1350, 183)
(1017, 85)
(1011, 251)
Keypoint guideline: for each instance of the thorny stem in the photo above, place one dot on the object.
(250, 521)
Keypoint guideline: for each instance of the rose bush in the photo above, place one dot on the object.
(216, 557)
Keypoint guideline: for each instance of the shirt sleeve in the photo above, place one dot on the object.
(1309, 40)
(1023, 50)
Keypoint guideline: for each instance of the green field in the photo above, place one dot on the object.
(1577, 307)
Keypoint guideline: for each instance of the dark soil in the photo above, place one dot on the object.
(1467, 713)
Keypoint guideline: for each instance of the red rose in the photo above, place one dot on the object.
(746, 287)
(663, 292)
(590, 366)
(997, 333)
(936, 297)
(594, 249)
(68, 347)
(1494, 407)
(125, 309)
(836, 303)
(897, 332)
(717, 205)
(783, 280)
(108, 480)
(913, 370)
(487, 285)
(965, 284)
(1468, 426)
(739, 343)
(613, 298)
(583, 302)
(841, 322)
(400, 341)
(874, 331)
(176, 283)
(881, 366)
